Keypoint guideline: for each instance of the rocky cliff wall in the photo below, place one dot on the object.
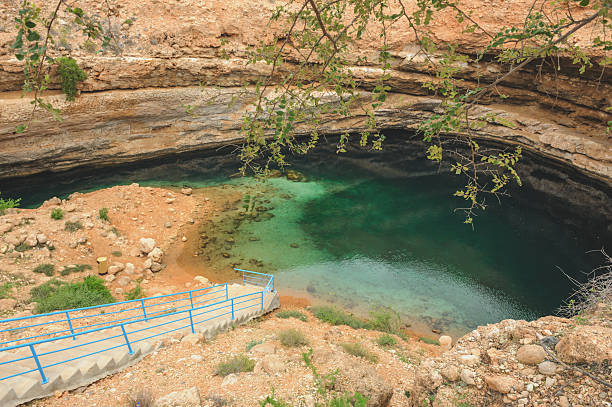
(168, 56)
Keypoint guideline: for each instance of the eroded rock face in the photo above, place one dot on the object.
(586, 344)
(137, 109)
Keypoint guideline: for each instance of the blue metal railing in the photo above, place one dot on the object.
(173, 312)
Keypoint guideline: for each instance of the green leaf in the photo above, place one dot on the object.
(33, 36)
(584, 3)
(21, 128)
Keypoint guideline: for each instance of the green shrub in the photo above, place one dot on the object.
(384, 319)
(252, 343)
(357, 349)
(135, 293)
(237, 364)
(103, 214)
(292, 338)
(356, 400)
(70, 75)
(58, 295)
(57, 214)
(75, 268)
(73, 226)
(386, 340)
(429, 341)
(335, 316)
(46, 269)
(117, 253)
(22, 247)
(8, 203)
(291, 313)
(6, 290)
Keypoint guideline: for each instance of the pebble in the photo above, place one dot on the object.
(547, 368)
(168, 224)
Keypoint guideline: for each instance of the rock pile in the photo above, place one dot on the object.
(521, 363)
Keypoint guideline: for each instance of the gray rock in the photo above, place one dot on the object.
(156, 267)
(548, 368)
(146, 245)
(185, 398)
(156, 255)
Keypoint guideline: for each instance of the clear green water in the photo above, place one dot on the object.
(386, 239)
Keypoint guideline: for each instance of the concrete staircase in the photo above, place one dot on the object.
(85, 368)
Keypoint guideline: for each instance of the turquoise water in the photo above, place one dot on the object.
(360, 238)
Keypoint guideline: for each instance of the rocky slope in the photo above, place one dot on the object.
(132, 105)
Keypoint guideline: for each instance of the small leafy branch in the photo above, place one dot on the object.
(310, 77)
(33, 41)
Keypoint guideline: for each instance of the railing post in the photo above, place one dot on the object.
(127, 342)
(40, 369)
(226, 292)
(262, 300)
(144, 312)
(70, 326)
(243, 278)
(272, 283)
(232, 309)
(191, 299)
(191, 320)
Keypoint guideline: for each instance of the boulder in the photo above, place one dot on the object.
(193, 339)
(503, 384)
(531, 354)
(7, 304)
(450, 373)
(185, 398)
(548, 368)
(273, 364)
(129, 268)
(41, 238)
(446, 342)
(229, 380)
(468, 377)
(586, 344)
(360, 377)
(469, 360)
(31, 240)
(146, 245)
(156, 255)
(147, 264)
(114, 269)
(156, 267)
(123, 281)
(186, 191)
(202, 280)
(265, 348)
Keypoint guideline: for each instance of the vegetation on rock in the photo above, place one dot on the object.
(70, 75)
(237, 364)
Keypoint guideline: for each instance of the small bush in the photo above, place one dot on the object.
(384, 319)
(75, 268)
(386, 340)
(57, 214)
(103, 214)
(142, 398)
(58, 295)
(356, 400)
(429, 341)
(250, 344)
(70, 75)
(335, 316)
(73, 226)
(8, 203)
(237, 364)
(6, 290)
(135, 293)
(357, 349)
(292, 314)
(117, 253)
(292, 338)
(22, 247)
(46, 269)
